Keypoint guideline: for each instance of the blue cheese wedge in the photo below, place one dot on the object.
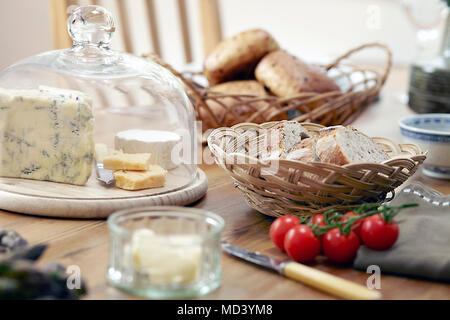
(46, 134)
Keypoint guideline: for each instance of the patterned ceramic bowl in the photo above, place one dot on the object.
(431, 132)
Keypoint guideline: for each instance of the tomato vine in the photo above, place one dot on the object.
(334, 219)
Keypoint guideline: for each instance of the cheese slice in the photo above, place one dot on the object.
(46, 134)
(125, 161)
(161, 144)
(155, 177)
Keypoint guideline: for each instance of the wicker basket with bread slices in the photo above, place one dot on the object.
(252, 79)
(296, 168)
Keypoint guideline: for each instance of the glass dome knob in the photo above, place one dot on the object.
(92, 25)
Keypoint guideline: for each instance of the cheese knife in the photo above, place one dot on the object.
(315, 278)
(103, 175)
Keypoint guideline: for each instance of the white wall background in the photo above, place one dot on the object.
(313, 29)
(24, 29)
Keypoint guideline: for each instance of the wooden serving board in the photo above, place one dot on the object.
(95, 200)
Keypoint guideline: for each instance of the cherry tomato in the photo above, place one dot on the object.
(356, 225)
(280, 227)
(301, 243)
(318, 220)
(339, 247)
(378, 234)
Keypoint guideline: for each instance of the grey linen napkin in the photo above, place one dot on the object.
(423, 247)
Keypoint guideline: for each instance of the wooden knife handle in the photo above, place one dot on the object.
(331, 284)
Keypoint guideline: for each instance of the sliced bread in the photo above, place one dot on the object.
(305, 150)
(345, 145)
(326, 130)
(284, 135)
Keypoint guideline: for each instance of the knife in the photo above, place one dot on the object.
(318, 279)
(103, 175)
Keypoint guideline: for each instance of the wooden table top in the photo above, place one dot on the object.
(86, 242)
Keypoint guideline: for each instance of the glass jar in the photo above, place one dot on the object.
(429, 82)
(128, 104)
(165, 252)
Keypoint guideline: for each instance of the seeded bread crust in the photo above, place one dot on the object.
(286, 75)
(237, 57)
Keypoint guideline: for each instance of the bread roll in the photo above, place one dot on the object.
(287, 76)
(236, 57)
(250, 87)
(244, 87)
(347, 145)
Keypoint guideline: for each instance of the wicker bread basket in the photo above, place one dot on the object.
(282, 187)
(359, 87)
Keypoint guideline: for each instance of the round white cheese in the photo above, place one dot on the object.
(159, 144)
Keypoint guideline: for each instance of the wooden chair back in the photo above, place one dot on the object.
(209, 16)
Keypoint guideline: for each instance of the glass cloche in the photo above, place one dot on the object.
(65, 115)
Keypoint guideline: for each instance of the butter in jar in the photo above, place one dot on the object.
(166, 259)
(165, 252)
